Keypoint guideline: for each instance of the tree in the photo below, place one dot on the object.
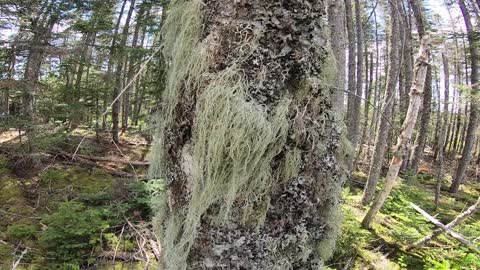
(473, 123)
(336, 22)
(416, 95)
(240, 149)
(422, 134)
(119, 72)
(352, 125)
(385, 114)
(443, 130)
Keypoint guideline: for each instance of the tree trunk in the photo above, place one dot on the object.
(336, 22)
(241, 150)
(131, 71)
(416, 95)
(473, 122)
(119, 73)
(422, 134)
(352, 126)
(443, 131)
(385, 114)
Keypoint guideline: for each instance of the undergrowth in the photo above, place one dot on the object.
(399, 225)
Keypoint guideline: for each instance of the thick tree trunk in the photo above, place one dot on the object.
(422, 134)
(392, 79)
(416, 95)
(473, 121)
(240, 148)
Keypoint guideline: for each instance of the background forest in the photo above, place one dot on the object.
(92, 149)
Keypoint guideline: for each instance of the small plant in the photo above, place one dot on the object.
(21, 231)
(72, 232)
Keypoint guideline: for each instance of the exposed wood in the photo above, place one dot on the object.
(416, 96)
(384, 128)
(460, 218)
(447, 228)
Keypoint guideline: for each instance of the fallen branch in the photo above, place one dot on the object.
(115, 160)
(17, 262)
(108, 169)
(464, 215)
(446, 228)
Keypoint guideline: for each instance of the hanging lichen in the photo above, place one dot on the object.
(187, 60)
(246, 140)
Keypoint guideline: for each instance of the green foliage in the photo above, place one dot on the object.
(21, 231)
(72, 232)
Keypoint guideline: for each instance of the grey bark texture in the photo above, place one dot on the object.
(351, 85)
(119, 73)
(422, 134)
(336, 22)
(416, 95)
(392, 79)
(234, 201)
(471, 135)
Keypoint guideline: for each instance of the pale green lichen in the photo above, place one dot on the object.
(187, 60)
(235, 141)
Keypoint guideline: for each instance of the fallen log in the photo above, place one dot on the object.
(446, 228)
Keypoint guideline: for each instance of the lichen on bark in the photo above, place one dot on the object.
(248, 141)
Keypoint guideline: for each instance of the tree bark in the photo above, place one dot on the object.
(336, 22)
(443, 131)
(385, 114)
(241, 150)
(131, 70)
(422, 134)
(119, 73)
(416, 95)
(352, 126)
(473, 122)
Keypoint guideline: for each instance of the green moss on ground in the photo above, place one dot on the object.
(399, 225)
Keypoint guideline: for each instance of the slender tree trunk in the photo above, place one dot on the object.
(352, 126)
(263, 174)
(119, 72)
(392, 79)
(376, 97)
(131, 71)
(336, 22)
(416, 95)
(422, 134)
(473, 122)
(368, 94)
(112, 55)
(443, 131)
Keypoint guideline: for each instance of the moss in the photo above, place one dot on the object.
(82, 182)
(6, 257)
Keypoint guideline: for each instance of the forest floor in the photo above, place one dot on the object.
(60, 212)
(399, 225)
(92, 211)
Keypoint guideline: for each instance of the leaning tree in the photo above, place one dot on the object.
(247, 141)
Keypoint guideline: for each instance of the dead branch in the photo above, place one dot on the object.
(446, 229)
(464, 215)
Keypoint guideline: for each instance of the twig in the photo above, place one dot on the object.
(17, 262)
